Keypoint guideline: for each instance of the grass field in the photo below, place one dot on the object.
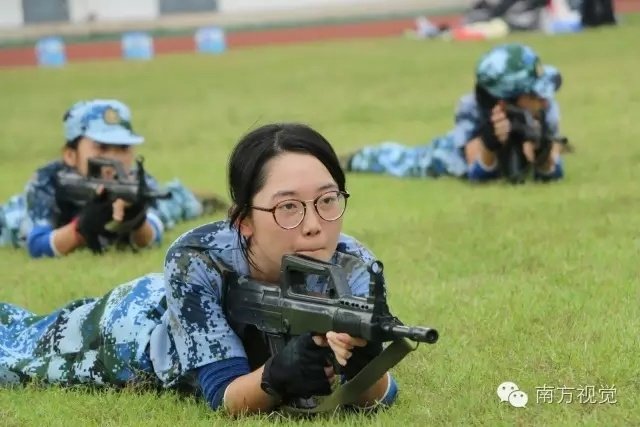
(537, 284)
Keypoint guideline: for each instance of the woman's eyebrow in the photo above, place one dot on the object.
(284, 193)
(327, 186)
(291, 193)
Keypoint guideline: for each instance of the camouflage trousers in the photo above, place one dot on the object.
(92, 341)
(14, 221)
(440, 157)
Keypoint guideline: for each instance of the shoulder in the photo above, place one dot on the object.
(467, 106)
(46, 175)
(41, 187)
(355, 259)
(351, 246)
(215, 244)
(216, 236)
(553, 107)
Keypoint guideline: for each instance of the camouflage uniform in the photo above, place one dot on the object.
(506, 72)
(153, 329)
(38, 206)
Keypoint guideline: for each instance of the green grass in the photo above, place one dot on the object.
(536, 284)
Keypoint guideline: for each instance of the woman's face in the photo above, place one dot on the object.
(88, 148)
(534, 104)
(290, 177)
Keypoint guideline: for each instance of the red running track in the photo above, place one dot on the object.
(25, 56)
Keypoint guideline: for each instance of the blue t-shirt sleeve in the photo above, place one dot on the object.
(214, 378)
(39, 241)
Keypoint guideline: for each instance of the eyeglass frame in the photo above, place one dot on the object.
(345, 194)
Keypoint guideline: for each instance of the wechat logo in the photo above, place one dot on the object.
(509, 392)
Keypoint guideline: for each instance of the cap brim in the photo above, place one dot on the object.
(547, 84)
(118, 136)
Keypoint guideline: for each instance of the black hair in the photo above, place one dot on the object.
(73, 143)
(557, 81)
(247, 164)
(485, 100)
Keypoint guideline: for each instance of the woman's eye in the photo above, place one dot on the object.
(288, 206)
(327, 200)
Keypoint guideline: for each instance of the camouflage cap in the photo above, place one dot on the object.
(510, 70)
(107, 121)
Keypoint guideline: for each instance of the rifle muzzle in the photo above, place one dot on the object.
(415, 333)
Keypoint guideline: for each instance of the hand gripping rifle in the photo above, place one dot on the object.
(515, 166)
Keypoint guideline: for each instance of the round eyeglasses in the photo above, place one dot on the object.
(290, 213)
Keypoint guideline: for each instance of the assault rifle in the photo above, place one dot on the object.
(79, 189)
(511, 159)
(288, 310)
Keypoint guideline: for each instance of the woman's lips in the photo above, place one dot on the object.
(307, 251)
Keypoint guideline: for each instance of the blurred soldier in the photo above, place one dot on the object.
(48, 224)
(513, 105)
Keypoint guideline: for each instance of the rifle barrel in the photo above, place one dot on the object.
(415, 333)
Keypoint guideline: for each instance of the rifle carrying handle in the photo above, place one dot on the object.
(97, 163)
(308, 266)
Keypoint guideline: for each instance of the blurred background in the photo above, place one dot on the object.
(172, 25)
(76, 16)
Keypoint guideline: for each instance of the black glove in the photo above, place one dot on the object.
(523, 126)
(92, 219)
(488, 136)
(543, 150)
(360, 357)
(297, 370)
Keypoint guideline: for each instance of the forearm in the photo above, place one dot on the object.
(66, 239)
(487, 157)
(375, 393)
(143, 236)
(244, 395)
(548, 165)
(475, 150)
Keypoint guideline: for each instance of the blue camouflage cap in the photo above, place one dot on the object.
(107, 121)
(510, 70)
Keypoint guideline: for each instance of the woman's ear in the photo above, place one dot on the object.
(245, 226)
(70, 157)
